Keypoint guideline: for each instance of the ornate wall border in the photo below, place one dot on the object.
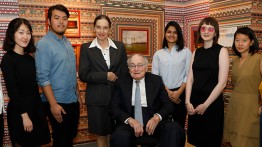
(134, 17)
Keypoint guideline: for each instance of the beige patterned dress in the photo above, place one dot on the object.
(242, 121)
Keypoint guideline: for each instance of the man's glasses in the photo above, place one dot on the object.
(133, 66)
(209, 29)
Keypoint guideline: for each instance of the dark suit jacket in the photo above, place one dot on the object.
(93, 70)
(157, 98)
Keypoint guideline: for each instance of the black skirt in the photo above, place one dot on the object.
(100, 122)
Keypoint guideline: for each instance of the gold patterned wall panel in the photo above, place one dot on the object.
(137, 17)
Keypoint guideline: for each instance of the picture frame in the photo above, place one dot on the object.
(135, 38)
(132, 20)
(73, 28)
(193, 36)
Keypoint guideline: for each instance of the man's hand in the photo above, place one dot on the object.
(151, 124)
(57, 111)
(138, 128)
(27, 123)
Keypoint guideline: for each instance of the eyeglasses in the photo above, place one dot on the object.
(209, 29)
(133, 66)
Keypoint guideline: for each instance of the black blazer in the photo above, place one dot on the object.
(93, 70)
(156, 94)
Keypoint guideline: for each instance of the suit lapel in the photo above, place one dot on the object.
(129, 92)
(149, 90)
(97, 54)
(113, 56)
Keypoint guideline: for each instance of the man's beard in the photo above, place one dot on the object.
(61, 33)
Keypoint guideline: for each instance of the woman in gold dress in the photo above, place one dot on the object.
(242, 122)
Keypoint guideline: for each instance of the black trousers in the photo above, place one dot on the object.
(64, 133)
(180, 112)
(168, 134)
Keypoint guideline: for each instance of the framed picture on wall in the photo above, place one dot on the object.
(73, 28)
(193, 37)
(135, 39)
(141, 30)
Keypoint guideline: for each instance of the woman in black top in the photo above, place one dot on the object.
(206, 79)
(27, 123)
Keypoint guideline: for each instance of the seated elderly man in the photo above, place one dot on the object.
(141, 106)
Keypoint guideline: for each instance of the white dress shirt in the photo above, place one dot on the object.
(142, 92)
(172, 66)
(105, 52)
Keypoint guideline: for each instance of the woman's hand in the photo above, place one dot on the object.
(175, 97)
(190, 109)
(28, 125)
(111, 76)
(200, 109)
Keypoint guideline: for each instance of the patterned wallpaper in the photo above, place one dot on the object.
(9, 9)
(134, 17)
(237, 13)
(256, 20)
(34, 11)
(187, 13)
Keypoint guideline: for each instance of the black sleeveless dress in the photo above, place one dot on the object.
(206, 130)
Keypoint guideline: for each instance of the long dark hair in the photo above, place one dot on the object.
(251, 35)
(180, 38)
(9, 42)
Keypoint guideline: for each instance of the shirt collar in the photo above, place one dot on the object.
(173, 48)
(142, 80)
(95, 43)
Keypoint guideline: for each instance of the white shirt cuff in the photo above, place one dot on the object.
(159, 116)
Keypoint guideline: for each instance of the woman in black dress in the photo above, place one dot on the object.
(27, 123)
(206, 79)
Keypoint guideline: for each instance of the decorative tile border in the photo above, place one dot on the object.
(159, 5)
(187, 15)
(137, 17)
(86, 4)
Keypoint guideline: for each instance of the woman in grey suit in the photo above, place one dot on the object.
(101, 62)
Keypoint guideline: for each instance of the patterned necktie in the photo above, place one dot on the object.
(138, 107)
